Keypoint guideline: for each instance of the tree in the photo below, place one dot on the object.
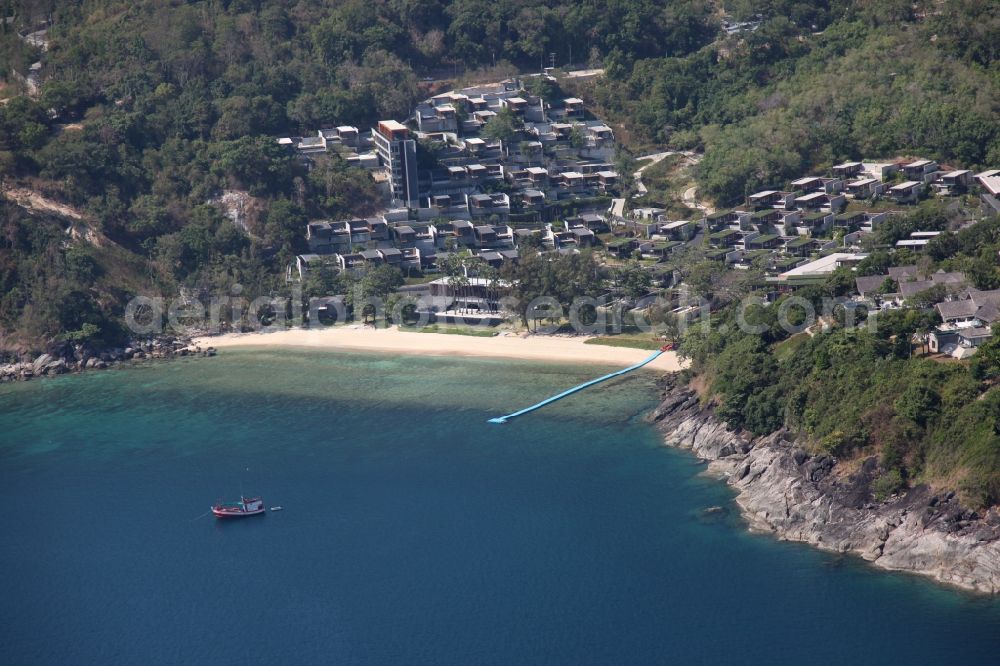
(876, 263)
(257, 163)
(888, 484)
(702, 278)
(324, 280)
(632, 279)
(841, 282)
(241, 116)
(455, 268)
(746, 376)
(284, 226)
(562, 278)
(149, 218)
(668, 323)
(544, 87)
(924, 299)
(492, 277)
(338, 190)
(918, 403)
(380, 281)
(80, 264)
(531, 241)
(7, 164)
(889, 286)
(986, 362)
(377, 284)
(504, 126)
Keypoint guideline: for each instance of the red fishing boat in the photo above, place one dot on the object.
(247, 506)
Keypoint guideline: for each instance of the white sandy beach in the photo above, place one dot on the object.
(558, 349)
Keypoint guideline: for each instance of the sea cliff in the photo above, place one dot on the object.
(784, 490)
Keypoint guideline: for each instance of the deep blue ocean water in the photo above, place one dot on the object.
(413, 531)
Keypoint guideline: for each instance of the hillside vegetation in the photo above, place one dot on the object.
(857, 391)
(819, 83)
(150, 111)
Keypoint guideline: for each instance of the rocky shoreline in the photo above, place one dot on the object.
(784, 490)
(64, 358)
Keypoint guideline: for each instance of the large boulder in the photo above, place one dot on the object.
(40, 363)
(56, 367)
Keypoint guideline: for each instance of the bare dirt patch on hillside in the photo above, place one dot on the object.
(34, 201)
(80, 226)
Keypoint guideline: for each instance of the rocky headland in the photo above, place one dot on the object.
(61, 358)
(784, 490)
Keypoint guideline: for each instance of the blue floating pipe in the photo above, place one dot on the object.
(504, 419)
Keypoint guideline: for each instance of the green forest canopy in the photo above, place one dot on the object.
(821, 83)
(151, 109)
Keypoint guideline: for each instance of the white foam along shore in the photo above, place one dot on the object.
(547, 348)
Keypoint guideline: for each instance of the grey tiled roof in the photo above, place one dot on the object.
(868, 284)
(957, 309)
(914, 287)
(903, 272)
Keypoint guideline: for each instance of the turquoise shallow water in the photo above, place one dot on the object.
(413, 531)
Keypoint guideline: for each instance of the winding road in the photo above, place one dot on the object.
(618, 205)
(690, 198)
(652, 159)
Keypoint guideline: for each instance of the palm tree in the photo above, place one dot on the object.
(454, 268)
(474, 267)
(492, 277)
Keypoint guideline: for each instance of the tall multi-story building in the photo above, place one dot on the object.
(398, 154)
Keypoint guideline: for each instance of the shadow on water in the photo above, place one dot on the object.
(243, 523)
